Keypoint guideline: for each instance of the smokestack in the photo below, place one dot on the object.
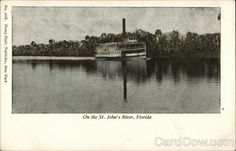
(123, 23)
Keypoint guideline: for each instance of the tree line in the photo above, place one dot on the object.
(158, 44)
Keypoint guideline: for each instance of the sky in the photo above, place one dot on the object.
(40, 24)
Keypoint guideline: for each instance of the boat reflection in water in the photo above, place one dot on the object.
(128, 86)
(125, 69)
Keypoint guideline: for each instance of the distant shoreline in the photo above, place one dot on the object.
(23, 58)
(74, 58)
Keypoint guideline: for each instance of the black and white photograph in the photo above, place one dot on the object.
(116, 59)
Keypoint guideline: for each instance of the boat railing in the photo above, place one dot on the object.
(130, 49)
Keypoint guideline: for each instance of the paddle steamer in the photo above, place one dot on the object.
(128, 48)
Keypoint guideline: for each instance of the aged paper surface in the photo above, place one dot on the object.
(55, 95)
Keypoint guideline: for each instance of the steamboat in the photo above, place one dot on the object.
(128, 48)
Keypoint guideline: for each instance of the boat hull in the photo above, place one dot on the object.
(141, 55)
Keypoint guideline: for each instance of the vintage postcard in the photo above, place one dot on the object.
(129, 75)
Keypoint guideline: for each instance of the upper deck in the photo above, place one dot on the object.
(127, 45)
(120, 46)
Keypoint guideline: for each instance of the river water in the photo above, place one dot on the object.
(102, 86)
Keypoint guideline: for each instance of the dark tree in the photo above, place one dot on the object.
(51, 41)
(33, 43)
(158, 33)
